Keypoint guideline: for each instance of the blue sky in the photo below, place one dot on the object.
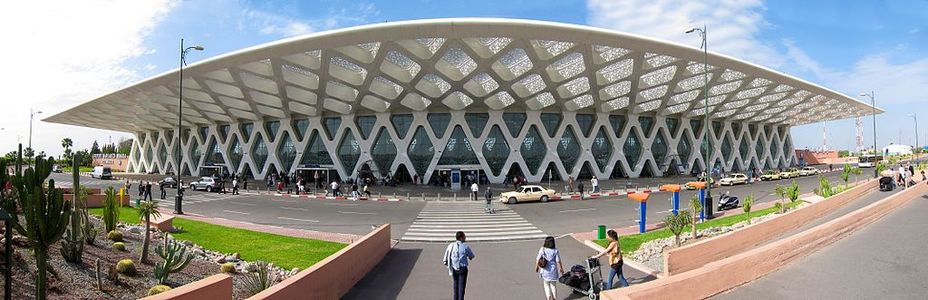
(93, 47)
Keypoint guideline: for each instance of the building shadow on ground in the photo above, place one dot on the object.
(387, 279)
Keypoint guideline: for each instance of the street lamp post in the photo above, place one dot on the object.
(915, 118)
(178, 199)
(873, 106)
(705, 71)
(32, 116)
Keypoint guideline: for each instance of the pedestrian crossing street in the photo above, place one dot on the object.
(439, 221)
(195, 198)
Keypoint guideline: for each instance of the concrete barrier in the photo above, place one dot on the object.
(215, 287)
(332, 277)
(695, 255)
(96, 201)
(725, 274)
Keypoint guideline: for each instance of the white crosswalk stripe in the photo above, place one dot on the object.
(439, 221)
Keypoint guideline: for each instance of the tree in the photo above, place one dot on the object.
(148, 210)
(695, 207)
(780, 191)
(845, 174)
(95, 148)
(792, 192)
(748, 202)
(676, 224)
(67, 143)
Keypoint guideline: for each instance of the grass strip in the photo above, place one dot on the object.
(284, 251)
(631, 243)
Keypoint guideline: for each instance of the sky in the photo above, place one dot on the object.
(62, 53)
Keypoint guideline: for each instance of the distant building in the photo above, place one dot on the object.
(814, 157)
(116, 162)
(897, 150)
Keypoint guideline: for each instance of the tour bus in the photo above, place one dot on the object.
(869, 161)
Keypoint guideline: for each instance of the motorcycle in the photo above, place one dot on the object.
(727, 201)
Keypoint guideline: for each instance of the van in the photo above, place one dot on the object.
(102, 173)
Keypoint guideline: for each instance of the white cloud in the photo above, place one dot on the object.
(280, 25)
(733, 25)
(63, 51)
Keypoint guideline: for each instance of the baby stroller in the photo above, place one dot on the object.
(587, 280)
(886, 183)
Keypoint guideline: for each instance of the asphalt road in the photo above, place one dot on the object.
(885, 260)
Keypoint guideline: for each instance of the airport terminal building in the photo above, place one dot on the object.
(500, 96)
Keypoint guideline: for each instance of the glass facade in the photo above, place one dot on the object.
(744, 149)
(235, 153)
(618, 124)
(601, 149)
(401, 124)
(420, 151)
(259, 153)
(195, 155)
(439, 123)
(775, 149)
(383, 152)
(533, 149)
(246, 129)
(223, 132)
(315, 152)
(683, 147)
(736, 129)
(717, 129)
(162, 154)
(496, 150)
(331, 126)
(659, 149)
(568, 149)
(272, 127)
(286, 152)
(365, 125)
(696, 125)
(551, 123)
(672, 125)
(514, 121)
(214, 154)
(632, 148)
(759, 149)
(176, 151)
(458, 150)
(585, 121)
(726, 148)
(186, 135)
(300, 126)
(203, 133)
(349, 152)
(647, 123)
(753, 130)
(476, 122)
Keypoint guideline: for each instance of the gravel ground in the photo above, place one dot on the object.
(78, 281)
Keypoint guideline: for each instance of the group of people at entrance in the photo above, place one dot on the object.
(458, 255)
(569, 188)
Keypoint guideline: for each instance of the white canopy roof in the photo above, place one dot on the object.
(458, 64)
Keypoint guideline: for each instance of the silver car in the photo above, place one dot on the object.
(208, 184)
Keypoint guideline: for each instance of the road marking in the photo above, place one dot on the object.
(437, 222)
(577, 210)
(342, 204)
(295, 219)
(293, 208)
(356, 213)
(242, 203)
(236, 212)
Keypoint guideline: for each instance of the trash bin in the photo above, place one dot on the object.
(709, 207)
(138, 201)
(602, 232)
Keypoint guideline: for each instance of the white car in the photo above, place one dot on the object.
(808, 171)
(733, 179)
(527, 193)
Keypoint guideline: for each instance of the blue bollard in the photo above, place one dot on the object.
(676, 203)
(642, 209)
(702, 201)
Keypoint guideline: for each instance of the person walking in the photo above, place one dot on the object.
(141, 189)
(595, 184)
(367, 190)
(234, 186)
(549, 268)
(570, 184)
(580, 189)
(615, 260)
(489, 199)
(161, 187)
(456, 258)
(474, 189)
(147, 194)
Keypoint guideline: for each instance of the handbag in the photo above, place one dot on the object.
(542, 261)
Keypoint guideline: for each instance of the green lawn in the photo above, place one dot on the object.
(67, 169)
(284, 251)
(631, 243)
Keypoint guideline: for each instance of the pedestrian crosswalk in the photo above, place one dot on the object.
(438, 222)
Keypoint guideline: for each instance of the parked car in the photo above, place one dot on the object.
(692, 184)
(808, 171)
(770, 175)
(789, 173)
(733, 179)
(168, 182)
(208, 184)
(56, 169)
(527, 193)
(101, 172)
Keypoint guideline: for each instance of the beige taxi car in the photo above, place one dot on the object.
(527, 193)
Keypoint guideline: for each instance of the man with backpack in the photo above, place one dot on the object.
(456, 258)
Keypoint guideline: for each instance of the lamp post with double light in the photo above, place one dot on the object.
(873, 106)
(180, 107)
(32, 114)
(705, 71)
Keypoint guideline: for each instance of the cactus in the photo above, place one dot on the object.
(115, 236)
(99, 275)
(696, 207)
(748, 203)
(126, 267)
(158, 289)
(89, 231)
(175, 258)
(227, 268)
(110, 210)
(72, 248)
(259, 280)
(676, 224)
(45, 214)
(119, 246)
(147, 210)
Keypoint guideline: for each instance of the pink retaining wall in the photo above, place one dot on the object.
(695, 255)
(215, 287)
(334, 276)
(725, 274)
(96, 201)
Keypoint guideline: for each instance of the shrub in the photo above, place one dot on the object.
(115, 236)
(792, 192)
(778, 206)
(748, 202)
(824, 187)
(846, 173)
(261, 279)
(119, 246)
(227, 268)
(158, 289)
(126, 267)
(676, 224)
(110, 210)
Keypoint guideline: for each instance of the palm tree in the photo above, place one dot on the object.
(147, 209)
(67, 143)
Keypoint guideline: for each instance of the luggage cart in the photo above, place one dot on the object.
(594, 279)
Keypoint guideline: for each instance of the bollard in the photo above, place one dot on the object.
(407, 196)
(675, 198)
(423, 196)
(702, 201)
(394, 195)
(454, 197)
(439, 196)
(676, 203)
(379, 195)
(601, 234)
(642, 199)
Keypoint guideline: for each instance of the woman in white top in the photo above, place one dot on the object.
(548, 266)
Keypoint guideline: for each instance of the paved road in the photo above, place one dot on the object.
(885, 260)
